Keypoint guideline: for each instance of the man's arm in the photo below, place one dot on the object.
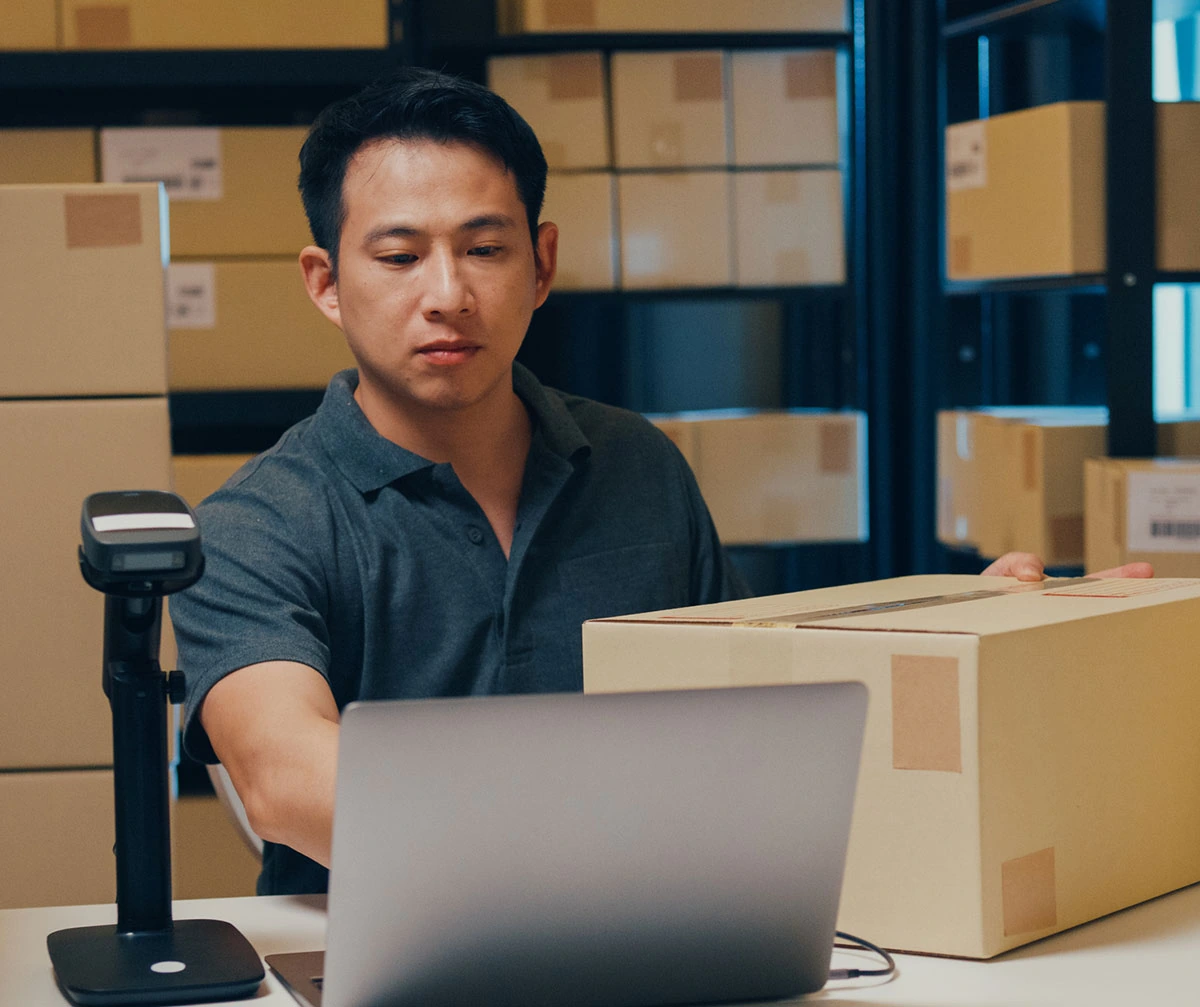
(274, 726)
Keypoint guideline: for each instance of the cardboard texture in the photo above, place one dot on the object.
(82, 290)
(675, 229)
(563, 98)
(54, 453)
(1178, 224)
(1076, 792)
(669, 109)
(264, 333)
(788, 228)
(584, 207)
(517, 16)
(195, 477)
(29, 24)
(795, 476)
(209, 860)
(222, 24)
(785, 107)
(257, 210)
(47, 156)
(1143, 511)
(57, 840)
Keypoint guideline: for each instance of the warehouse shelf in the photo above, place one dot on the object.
(236, 422)
(1027, 17)
(1085, 283)
(1176, 276)
(531, 44)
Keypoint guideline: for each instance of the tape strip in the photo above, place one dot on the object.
(107, 27)
(102, 220)
(836, 448)
(925, 719)
(570, 14)
(960, 254)
(811, 75)
(1066, 538)
(575, 77)
(1027, 893)
(1029, 458)
(699, 78)
(1118, 505)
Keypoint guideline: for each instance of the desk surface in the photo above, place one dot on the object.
(1144, 955)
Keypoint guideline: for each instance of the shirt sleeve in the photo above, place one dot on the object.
(263, 595)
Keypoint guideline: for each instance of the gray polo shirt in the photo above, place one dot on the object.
(340, 550)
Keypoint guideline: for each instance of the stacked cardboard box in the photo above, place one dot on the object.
(30, 24)
(38, 156)
(578, 16)
(1019, 775)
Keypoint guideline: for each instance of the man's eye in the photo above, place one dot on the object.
(486, 251)
(400, 259)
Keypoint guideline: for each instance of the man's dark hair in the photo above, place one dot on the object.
(414, 104)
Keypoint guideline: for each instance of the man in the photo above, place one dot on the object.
(444, 524)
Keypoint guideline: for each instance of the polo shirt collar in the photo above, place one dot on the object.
(370, 461)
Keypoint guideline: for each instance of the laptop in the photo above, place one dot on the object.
(620, 850)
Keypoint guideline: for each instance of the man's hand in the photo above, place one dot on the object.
(1027, 566)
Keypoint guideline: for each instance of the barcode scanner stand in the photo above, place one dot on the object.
(137, 548)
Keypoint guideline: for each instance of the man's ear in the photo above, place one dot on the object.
(546, 260)
(320, 282)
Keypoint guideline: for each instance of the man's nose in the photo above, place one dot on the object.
(447, 292)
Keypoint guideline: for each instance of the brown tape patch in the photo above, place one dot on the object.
(108, 27)
(1118, 511)
(1066, 538)
(555, 152)
(1029, 458)
(570, 13)
(836, 447)
(960, 254)
(666, 142)
(925, 718)
(575, 77)
(810, 75)
(792, 265)
(782, 187)
(1027, 893)
(102, 220)
(699, 78)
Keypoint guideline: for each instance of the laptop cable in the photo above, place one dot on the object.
(858, 944)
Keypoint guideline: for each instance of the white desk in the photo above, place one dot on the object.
(1146, 955)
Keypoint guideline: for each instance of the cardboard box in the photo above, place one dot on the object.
(40, 156)
(29, 24)
(1025, 192)
(82, 290)
(1143, 510)
(195, 477)
(785, 107)
(584, 207)
(53, 454)
(248, 324)
(232, 190)
(223, 24)
(1019, 775)
(209, 860)
(57, 840)
(564, 98)
(669, 109)
(675, 229)
(789, 228)
(579, 16)
(793, 476)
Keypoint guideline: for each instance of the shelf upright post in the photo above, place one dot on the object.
(1131, 227)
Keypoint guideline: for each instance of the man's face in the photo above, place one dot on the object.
(437, 278)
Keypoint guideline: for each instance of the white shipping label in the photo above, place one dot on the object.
(186, 161)
(1163, 512)
(966, 156)
(191, 295)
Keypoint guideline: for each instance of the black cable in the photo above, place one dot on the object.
(860, 945)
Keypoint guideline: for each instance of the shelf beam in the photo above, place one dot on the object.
(1029, 17)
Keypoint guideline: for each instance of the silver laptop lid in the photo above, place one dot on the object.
(632, 849)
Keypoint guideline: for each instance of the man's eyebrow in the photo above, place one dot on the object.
(392, 231)
(487, 220)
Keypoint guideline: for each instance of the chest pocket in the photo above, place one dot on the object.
(634, 578)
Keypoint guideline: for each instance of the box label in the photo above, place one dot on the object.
(191, 295)
(1163, 512)
(966, 156)
(186, 161)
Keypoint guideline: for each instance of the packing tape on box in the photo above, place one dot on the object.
(758, 656)
(810, 75)
(699, 78)
(565, 14)
(666, 144)
(103, 27)
(926, 731)
(836, 447)
(102, 220)
(1066, 537)
(960, 254)
(1027, 893)
(1029, 458)
(782, 187)
(575, 77)
(555, 152)
(1118, 509)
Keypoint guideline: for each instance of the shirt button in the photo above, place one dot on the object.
(474, 534)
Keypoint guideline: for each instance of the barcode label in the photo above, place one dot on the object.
(1163, 511)
(966, 156)
(186, 161)
(1175, 529)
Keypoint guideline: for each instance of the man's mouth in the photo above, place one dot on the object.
(448, 352)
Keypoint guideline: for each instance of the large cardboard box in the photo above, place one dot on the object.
(579, 16)
(1143, 510)
(209, 859)
(785, 107)
(195, 477)
(1031, 752)
(584, 207)
(28, 24)
(788, 228)
(791, 476)
(223, 24)
(232, 190)
(41, 156)
(1025, 191)
(82, 290)
(53, 454)
(564, 98)
(675, 229)
(56, 838)
(669, 109)
(248, 324)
